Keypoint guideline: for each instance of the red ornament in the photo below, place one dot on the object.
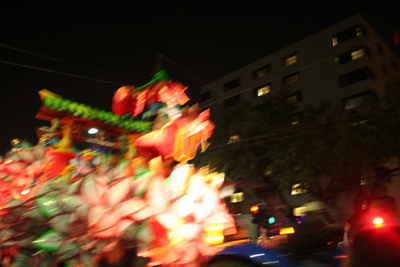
(173, 93)
(123, 100)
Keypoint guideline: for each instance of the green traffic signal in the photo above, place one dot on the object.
(271, 220)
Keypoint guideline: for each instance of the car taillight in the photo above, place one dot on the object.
(378, 221)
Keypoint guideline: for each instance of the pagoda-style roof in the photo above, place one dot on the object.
(85, 117)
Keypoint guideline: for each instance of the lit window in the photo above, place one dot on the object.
(347, 35)
(364, 205)
(357, 100)
(357, 54)
(334, 41)
(300, 211)
(290, 60)
(354, 103)
(261, 72)
(291, 78)
(359, 31)
(237, 197)
(264, 90)
(298, 189)
(295, 120)
(294, 98)
(233, 139)
(350, 55)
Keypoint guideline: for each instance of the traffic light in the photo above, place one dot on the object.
(271, 220)
(255, 211)
(261, 214)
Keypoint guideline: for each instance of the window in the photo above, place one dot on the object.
(233, 139)
(205, 96)
(237, 197)
(262, 90)
(355, 76)
(298, 189)
(347, 35)
(294, 98)
(357, 100)
(289, 60)
(349, 56)
(357, 54)
(232, 84)
(261, 72)
(291, 78)
(295, 119)
(300, 211)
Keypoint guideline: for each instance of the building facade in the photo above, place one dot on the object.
(346, 64)
(343, 64)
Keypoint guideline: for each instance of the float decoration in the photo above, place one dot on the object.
(161, 88)
(63, 111)
(83, 208)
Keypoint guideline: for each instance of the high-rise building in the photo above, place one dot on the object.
(344, 64)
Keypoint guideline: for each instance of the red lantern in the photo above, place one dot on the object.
(122, 101)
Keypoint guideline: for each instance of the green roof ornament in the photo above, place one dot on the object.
(159, 76)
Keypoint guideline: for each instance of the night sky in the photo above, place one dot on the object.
(114, 43)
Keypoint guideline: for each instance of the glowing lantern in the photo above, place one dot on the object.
(214, 234)
(122, 101)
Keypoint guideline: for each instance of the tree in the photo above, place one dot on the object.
(330, 152)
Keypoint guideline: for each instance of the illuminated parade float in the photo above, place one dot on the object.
(128, 191)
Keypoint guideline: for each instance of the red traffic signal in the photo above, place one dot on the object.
(255, 209)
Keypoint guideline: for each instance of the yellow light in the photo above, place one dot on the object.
(285, 231)
(214, 240)
(218, 180)
(214, 234)
(214, 227)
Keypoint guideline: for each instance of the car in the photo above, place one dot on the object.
(373, 234)
(246, 254)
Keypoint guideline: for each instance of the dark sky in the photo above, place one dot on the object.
(116, 43)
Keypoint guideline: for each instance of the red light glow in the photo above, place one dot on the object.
(255, 209)
(378, 221)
